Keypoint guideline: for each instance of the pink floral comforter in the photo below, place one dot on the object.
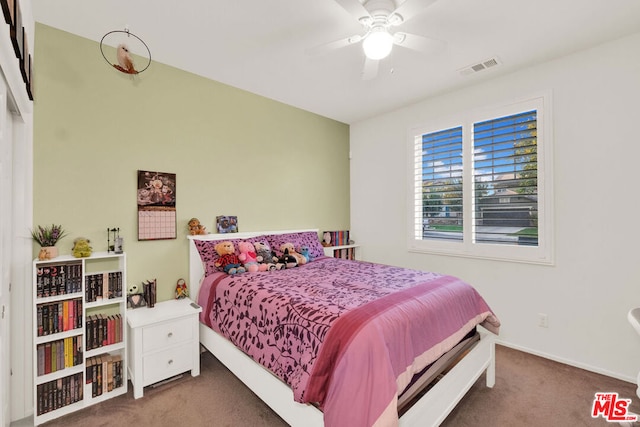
(347, 335)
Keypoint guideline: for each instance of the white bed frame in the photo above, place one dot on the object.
(430, 410)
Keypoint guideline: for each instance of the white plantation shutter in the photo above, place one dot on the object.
(505, 176)
(439, 194)
(481, 184)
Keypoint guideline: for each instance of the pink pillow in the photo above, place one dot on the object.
(304, 238)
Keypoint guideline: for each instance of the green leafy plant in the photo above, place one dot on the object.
(48, 235)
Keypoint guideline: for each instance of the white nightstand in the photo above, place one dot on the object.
(163, 342)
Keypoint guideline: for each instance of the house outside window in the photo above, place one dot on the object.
(481, 184)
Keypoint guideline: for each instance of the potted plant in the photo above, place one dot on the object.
(47, 237)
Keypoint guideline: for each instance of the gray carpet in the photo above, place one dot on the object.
(529, 391)
(537, 392)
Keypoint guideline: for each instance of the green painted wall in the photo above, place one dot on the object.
(234, 153)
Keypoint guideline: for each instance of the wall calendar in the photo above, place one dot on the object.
(156, 205)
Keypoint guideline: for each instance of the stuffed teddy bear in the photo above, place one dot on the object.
(81, 247)
(266, 257)
(249, 257)
(291, 250)
(228, 261)
(195, 228)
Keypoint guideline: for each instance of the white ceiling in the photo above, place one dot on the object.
(260, 45)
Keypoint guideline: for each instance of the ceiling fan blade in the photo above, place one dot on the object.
(337, 44)
(370, 70)
(410, 8)
(421, 44)
(354, 7)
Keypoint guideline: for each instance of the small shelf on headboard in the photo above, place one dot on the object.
(342, 251)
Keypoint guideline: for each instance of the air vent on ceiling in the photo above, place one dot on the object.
(487, 63)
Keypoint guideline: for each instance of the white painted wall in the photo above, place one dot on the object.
(596, 276)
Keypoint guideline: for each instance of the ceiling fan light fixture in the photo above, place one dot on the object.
(378, 44)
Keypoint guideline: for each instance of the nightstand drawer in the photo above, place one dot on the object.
(165, 364)
(167, 334)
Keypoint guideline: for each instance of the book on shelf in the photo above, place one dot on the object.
(59, 393)
(102, 330)
(335, 238)
(103, 286)
(97, 387)
(58, 279)
(344, 253)
(104, 373)
(149, 290)
(60, 316)
(59, 354)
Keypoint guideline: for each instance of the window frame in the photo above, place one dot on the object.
(543, 253)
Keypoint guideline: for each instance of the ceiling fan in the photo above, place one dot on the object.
(378, 17)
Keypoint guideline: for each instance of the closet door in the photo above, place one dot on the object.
(6, 196)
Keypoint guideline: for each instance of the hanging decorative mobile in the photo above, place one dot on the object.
(124, 61)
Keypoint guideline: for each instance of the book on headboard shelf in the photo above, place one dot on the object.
(335, 238)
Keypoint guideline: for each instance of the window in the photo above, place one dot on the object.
(481, 184)
(439, 177)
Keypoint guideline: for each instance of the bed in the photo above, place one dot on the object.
(341, 364)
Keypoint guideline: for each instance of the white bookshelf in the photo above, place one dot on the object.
(62, 291)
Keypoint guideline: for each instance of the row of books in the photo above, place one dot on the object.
(149, 290)
(102, 286)
(337, 238)
(344, 253)
(58, 279)
(59, 316)
(58, 393)
(57, 355)
(104, 373)
(63, 279)
(103, 330)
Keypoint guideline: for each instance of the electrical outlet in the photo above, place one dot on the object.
(543, 320)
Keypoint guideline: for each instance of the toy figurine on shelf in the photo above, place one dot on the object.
(195, 228)
(135, 298)
(81, 247)
(181, 289)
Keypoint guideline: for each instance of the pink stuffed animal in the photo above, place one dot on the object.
(249, 258)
